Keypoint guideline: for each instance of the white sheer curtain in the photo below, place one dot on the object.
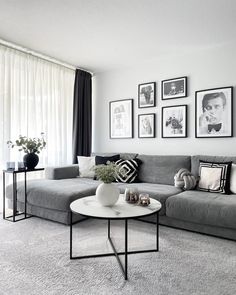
(35, 96)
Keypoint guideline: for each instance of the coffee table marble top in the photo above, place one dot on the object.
(89, 206)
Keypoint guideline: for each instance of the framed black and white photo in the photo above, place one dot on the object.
(174, 88)
(147, 95)
(146, 125)
(213, 112)
(174, 121)
(121, 118)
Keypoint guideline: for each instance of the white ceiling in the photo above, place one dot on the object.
(101, 35)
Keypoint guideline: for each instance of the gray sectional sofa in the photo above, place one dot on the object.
(209, 213)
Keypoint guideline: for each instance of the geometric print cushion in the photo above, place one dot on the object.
(127, 170)
(214, 177)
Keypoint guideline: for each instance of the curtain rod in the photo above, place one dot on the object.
(39, 55)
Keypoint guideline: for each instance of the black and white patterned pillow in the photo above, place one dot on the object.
(214, 177)
(127, 170)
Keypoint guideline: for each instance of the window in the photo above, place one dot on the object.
(35, 96)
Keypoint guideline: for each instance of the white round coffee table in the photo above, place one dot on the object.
(90, 207)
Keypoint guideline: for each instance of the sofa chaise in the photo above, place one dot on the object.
(204, 212)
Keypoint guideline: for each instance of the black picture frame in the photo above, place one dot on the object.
(214, 112)
(174, 88)
(121, 119)
(147, 95)
(174, 121)
(146, 125)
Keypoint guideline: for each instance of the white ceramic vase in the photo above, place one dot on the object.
(107, 194)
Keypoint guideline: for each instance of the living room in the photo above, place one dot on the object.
(75, 71)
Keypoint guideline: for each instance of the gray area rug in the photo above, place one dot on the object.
(34, 259)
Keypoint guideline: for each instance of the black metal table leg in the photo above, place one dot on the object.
(116, 254)
(14, 197)
(25, 196)
(16, 210)
(126, 249)
(71, 235)
(4, 195)
(157, 230)
(108, 228)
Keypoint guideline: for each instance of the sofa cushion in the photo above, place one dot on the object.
(58, 194)
(159, 192)
(62, 172)
(125, 156)
(214, 177)
(162, 169)
(86, 166)
(127, 170)
(102, 160)
(203, 208)
(233, 179)
(55, 194)
(195, 160)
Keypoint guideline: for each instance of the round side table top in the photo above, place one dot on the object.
(89, 206)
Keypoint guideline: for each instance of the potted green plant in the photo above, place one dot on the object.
(107, 193)
(30, 146)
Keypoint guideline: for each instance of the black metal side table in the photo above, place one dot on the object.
(14, 173)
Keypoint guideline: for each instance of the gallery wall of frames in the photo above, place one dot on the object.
(213, 111)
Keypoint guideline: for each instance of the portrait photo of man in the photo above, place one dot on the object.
(214, 112)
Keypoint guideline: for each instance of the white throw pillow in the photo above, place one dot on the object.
(233, 179)
(86, 165)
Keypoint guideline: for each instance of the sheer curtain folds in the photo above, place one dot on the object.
(35, 96)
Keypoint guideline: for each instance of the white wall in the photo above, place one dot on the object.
(210, 68)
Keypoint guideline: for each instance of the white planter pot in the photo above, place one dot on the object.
(107, 194)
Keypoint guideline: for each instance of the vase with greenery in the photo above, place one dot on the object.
(107, 193)
(31, 147)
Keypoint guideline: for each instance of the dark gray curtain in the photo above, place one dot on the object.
(82, 115)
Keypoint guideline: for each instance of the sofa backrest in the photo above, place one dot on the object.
(195, 161)
(162, 169)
